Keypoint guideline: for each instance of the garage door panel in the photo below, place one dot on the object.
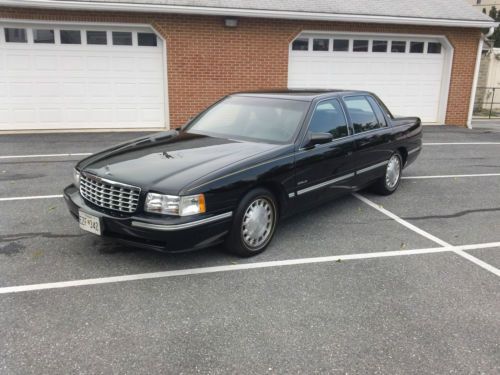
(46, 63)
(5, 116)
(26, 115)
(127, 114)
(124, 64)
(101, 115)
(15, 62)
(21, 90)
(98, 90)
(46, 90)
(49, 115)
(55, 86)
(99, 63)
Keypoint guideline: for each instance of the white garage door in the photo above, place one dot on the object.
(407, 73)
(74, 77)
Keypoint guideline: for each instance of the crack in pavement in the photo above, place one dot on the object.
(22, 236)
(458, 214)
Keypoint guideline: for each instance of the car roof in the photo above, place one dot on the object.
(302, 94)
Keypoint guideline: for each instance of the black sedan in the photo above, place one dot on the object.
(233, 171)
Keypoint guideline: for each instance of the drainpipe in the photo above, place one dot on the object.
(476, 74)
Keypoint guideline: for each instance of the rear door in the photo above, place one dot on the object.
(372, 137)
(324, 171)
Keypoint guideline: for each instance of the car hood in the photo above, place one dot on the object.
(168, 161)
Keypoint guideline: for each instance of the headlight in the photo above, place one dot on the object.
(174, 205)
(76, 178)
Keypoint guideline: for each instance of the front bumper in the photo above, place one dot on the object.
(170, 234)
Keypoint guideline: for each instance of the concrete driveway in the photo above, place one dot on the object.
(403, 284)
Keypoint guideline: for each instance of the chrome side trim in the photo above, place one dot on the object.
(291, 195)
(174, 227)
(414, 150)
(323, 184)
(372, 167)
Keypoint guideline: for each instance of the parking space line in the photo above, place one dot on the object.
(461, 143)
(455, 249)
(451, 176)
(30, 198)
(45, 155)
(402, 221)
(237, 267)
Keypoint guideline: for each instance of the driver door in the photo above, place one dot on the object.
(324, 171)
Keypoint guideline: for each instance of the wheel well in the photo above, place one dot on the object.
(404, 154)
(277, 190)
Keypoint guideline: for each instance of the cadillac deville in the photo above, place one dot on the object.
(233, 171)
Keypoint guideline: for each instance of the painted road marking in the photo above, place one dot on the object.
(239, 267)
(45, 156)
(451, 176)
(429, 236)
(461, 144)
(30, 198)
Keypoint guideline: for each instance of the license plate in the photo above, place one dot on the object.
(90, 223)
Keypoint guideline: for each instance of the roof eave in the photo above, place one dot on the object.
(235, 12)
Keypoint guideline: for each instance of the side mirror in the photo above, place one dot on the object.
(314, 139)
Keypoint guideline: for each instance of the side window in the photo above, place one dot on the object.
(378, 111)
(362, 115)
(328, 117)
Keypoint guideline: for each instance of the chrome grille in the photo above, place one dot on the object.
(109, 194)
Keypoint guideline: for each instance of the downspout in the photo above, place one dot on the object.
(476, 75)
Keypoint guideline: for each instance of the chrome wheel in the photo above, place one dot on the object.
(258, 223)
(393, 172)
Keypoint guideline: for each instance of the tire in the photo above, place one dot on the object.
(254, 224)
(389, 183)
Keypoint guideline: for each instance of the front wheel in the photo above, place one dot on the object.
(389, 183)
(254, 224)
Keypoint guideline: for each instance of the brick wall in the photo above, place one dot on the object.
(207, 60)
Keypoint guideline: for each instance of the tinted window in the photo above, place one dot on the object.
(146, 39)
(15, 35)
(362, 115)
(300, 45)
(329, 118)
(71, 37)
(97, 37)
(398, 47)
(341, 45)
(43, 36)
(434, 48)
(122, 38)
(378, 111)
(379, 46)
(360, 46)
(321, 44)
(252, 118)
(417, 47)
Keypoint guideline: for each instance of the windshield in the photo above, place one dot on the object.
(251, 118)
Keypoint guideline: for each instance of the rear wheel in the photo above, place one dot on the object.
(389, 183)
(254, 224)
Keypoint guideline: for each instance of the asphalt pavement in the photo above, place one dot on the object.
(408, 283)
